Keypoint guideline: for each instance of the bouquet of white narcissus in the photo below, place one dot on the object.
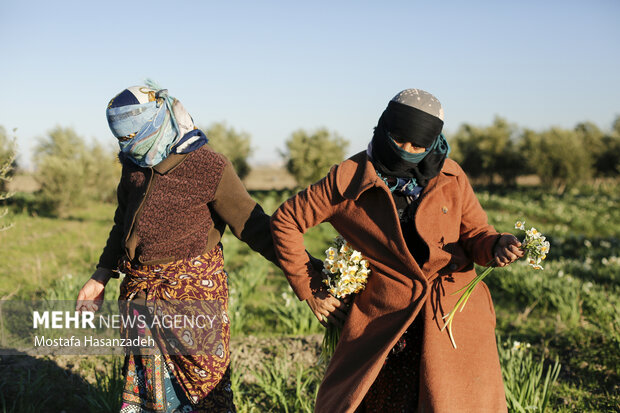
(346, 272)
(345, 269)
(536, 248)
(535, 245)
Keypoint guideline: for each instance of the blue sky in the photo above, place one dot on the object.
(271, 67)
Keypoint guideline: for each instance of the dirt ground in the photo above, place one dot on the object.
(23, 183)
(267, 177)
(248, 352)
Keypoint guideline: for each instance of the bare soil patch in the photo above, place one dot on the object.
(267, 177)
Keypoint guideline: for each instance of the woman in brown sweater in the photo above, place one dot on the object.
(175, 198)
(413, 215)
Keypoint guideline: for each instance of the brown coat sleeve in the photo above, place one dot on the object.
(290, 221)
(242, 214)
(476, 235)
(113, 249)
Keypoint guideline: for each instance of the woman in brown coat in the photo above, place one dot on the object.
(413, 215)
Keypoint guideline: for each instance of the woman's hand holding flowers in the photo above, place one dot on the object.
(507, 250)
(327, 308)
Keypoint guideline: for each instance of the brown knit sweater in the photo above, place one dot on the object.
(180, 208)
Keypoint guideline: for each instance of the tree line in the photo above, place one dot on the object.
(72, 171)
(559, 157)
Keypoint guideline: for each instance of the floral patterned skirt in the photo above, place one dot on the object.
(396, 388)
(149, 387)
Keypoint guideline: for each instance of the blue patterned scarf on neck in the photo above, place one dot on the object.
(409, 186)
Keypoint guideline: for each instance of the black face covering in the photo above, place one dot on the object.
(415, 126)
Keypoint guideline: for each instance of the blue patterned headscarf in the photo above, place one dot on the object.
(143, 119)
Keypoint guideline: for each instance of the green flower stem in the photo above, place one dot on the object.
(469, 289)
(472, 284)
(330, 340)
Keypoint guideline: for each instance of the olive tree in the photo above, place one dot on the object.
(232, 144)
(71, 172)
(491, 150)
(604, 148)
(309, 155)
(7, 165)
(558, 157)
(7, 157)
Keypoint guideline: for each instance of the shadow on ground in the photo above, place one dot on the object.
(59, 384)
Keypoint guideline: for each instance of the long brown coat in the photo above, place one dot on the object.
(454, 226)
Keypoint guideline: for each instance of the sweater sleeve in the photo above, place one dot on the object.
(113, 249)
(290, 221)
(476, 235)
(242, 214)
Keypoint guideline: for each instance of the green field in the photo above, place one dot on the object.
(567, 312)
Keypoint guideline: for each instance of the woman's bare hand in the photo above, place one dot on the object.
(328, 309)
(90, 296)
(507, 250)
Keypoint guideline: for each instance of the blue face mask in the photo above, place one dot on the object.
(408, 156)
(440, 143)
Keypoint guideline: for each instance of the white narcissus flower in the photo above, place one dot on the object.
(346, 279)
(287, 299)
(356, 256)
(517, 345)
(520, 225)
(331, 253)
(352, 269)
(533, 233)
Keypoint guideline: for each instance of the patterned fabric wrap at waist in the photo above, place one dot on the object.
(186, 303)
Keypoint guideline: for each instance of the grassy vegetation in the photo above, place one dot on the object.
(40, 250)
(567, 312)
